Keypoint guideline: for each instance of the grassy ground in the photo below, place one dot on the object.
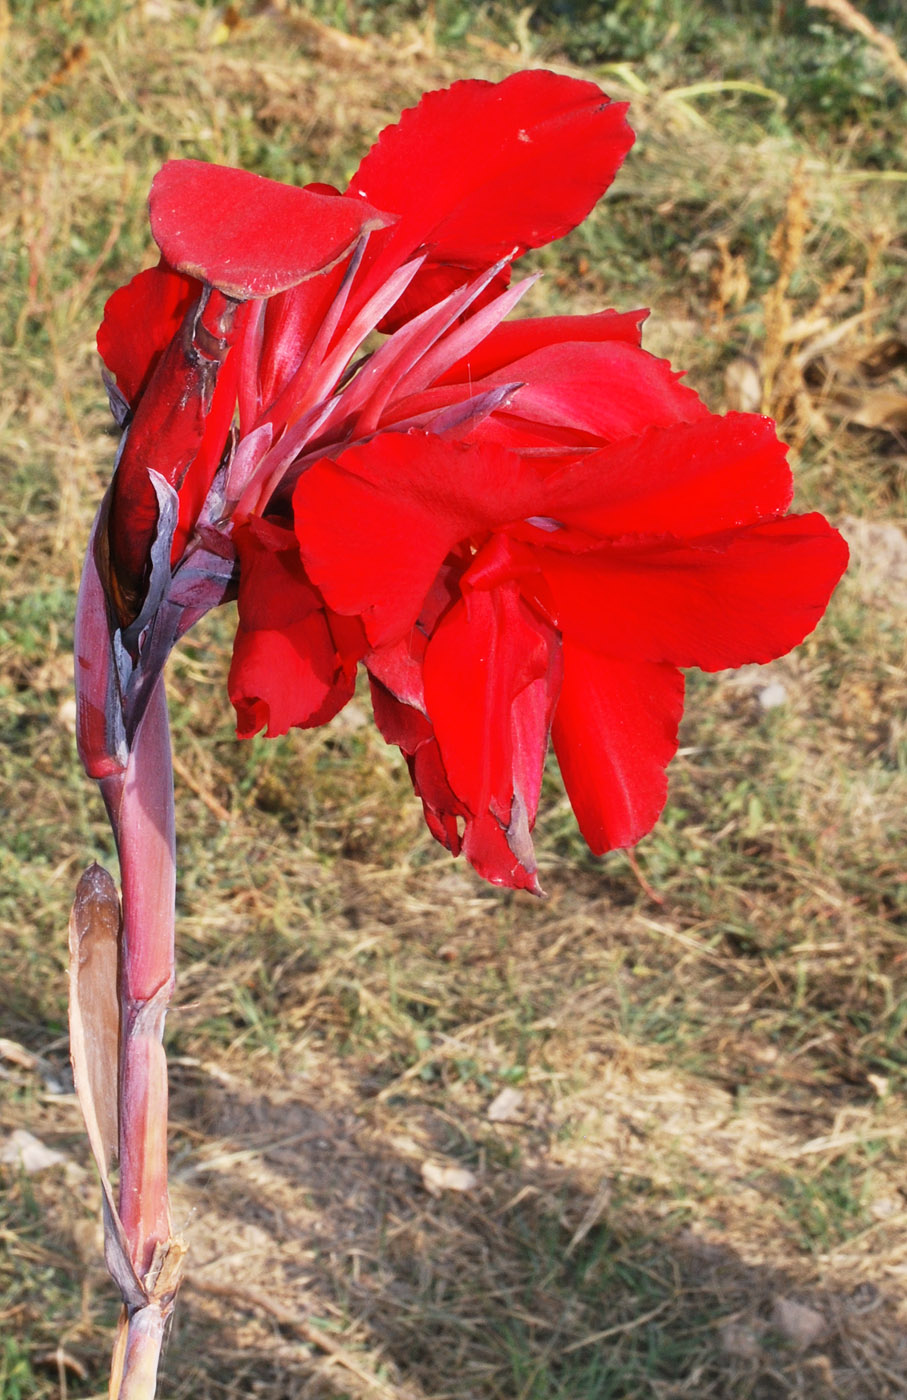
(432, 1141)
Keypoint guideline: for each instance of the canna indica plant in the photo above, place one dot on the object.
(520, 528)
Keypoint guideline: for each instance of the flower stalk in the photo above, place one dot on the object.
(121, 981)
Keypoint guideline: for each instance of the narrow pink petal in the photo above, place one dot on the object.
(292, 320)
(302, 397)
(461, 340)
(447, 411)
(246, 462)
(615, 731)
(248, 379)
(392, 364)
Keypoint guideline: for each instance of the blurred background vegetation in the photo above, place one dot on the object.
(430, 1139)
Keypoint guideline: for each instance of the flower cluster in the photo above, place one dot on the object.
(521, 528)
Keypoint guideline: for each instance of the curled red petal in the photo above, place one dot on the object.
(249, 236)
(286, 678)
(406, 725)
(293, 665)
(480, 170)
(614, 733)
(140, 320)
(400, 722)
(490, 688)
(482, 655)
(273, 589)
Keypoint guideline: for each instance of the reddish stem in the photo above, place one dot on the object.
(140, 802)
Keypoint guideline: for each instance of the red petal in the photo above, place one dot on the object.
(140, 320)
(291, 321)
(400, 723)
(687, 480)
(513, 739)
(605, 390)
(376, 525)
(489, 691)
(482, 655)
(279, 679)
(480, 169)
(273, 589)
(290, 667)
(503, 857)
(614, 733)
(513, 340)
(716, 602)
(444, 813)
(248, 236)
(408, 728)
(398, 667)
(200, 473)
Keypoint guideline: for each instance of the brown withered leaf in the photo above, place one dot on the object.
(94, 1007)
(94, 1035)
(883, 356)
(863, 383)
(881, 408)
(743, 385)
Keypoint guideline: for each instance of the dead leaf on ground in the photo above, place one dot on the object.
(505, 1106)
(881, 408)
(743, 385)
(438, 1178)
(21, 1149)
(798, 1324)
(739, 1339)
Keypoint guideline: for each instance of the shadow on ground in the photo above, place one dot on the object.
(322, 1266)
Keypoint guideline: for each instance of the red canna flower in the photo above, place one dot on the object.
(522, 527)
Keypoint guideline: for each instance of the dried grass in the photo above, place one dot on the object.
(706, 1112)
